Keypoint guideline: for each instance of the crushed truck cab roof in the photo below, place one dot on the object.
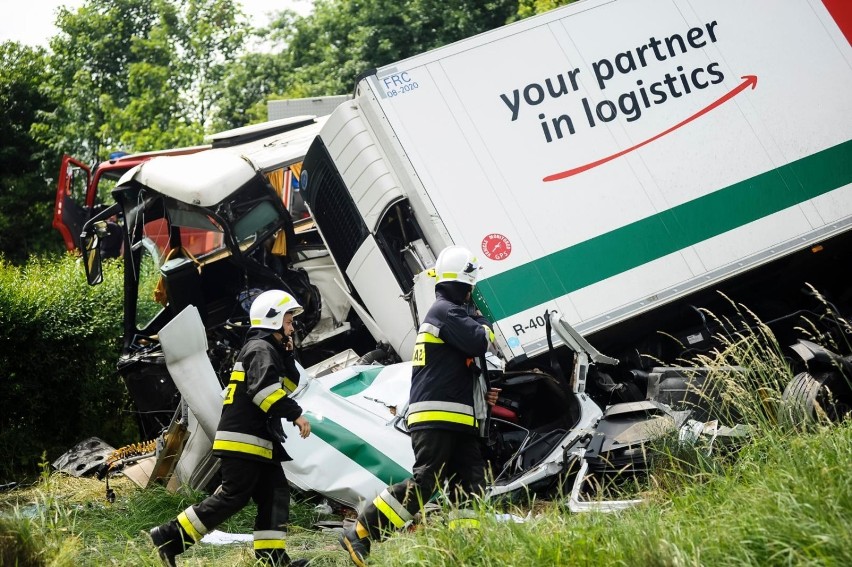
(207, 178)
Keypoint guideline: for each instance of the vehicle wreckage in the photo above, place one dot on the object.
(546, 436)
(208, 252)
(206, 248)
(633, 253)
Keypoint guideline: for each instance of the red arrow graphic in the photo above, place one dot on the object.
(750, 81)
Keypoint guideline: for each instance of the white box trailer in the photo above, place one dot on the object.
(606, 159)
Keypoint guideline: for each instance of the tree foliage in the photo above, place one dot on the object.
(90, 62)
(248, 83)
(324, 52)
(528, 8)
(137, 75)
(26, 199)
(341, 39)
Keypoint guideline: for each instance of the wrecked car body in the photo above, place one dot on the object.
(545, 436)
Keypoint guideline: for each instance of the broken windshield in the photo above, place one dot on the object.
(187, 233)
(194, 232)
(256, 222)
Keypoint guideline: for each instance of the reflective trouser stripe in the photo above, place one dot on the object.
(190, 523)
(269, 539)
(268, 396)
(242, 443)
(462, 518)
(463, 523)
(392, 509)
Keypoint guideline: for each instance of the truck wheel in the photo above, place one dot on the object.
(809, 398)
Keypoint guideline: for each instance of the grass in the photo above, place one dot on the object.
(62, 520)
(784, 497)
(785, 501)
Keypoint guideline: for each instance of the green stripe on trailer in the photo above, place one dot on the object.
(638, 243)
(354, 447)
(357, 383)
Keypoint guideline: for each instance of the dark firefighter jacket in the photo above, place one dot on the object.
(443, 380)
(256, 398)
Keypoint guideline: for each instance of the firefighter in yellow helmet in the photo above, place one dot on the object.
(249, 439)
(447, 403)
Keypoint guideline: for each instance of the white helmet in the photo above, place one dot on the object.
(456, 264)
(268, 309)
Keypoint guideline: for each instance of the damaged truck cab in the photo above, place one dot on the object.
(214, 229)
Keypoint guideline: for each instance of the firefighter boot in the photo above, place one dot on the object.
(170, 541)
(357, 545)
(278, 558)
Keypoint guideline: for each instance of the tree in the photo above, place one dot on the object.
(90, 72)
(154, 118)
(210, 34)
(137, 75)
(528, 8)
(247, 85)
(341, 39)
(322, 53)
(26, 191)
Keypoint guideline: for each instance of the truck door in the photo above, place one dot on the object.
(70, 211)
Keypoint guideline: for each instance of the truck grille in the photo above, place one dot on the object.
(331, 205)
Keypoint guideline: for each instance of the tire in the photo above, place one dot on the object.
(809, 398)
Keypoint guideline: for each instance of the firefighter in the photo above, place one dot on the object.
(249, 439)
(447, 404)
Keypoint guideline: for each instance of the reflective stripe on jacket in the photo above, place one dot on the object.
(442, 380)
(257, 395)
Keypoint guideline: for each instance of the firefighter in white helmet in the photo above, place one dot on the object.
(249, 439)
(447, 404)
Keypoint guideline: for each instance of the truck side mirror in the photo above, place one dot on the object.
(90, 241)
(92, 256)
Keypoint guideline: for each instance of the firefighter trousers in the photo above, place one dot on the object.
(440, 456)
(244, 480)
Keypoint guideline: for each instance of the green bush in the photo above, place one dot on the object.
(58, 349)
